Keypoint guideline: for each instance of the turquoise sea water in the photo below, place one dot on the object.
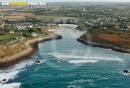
(69, 64)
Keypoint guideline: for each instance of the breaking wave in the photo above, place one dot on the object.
(84, 59)
(11, 73)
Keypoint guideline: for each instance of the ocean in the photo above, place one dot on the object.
(67, 63)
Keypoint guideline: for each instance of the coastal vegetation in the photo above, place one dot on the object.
(121, 41)
(109, 25)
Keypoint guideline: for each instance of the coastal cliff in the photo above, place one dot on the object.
(106, 45)
(32, 47)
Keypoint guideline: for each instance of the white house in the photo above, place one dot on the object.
(33, 34)
(24, 25)
(11, 31)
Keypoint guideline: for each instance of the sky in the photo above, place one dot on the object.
(66, 0)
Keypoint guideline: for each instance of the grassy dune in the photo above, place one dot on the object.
(11, 49)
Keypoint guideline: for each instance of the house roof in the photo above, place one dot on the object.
(128, 24)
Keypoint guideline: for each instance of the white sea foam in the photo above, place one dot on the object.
(103, 78)
(73, 86)
(83, 81)
(82, 61)
(85, 58)
(10, 75)
(18, 67)
(11, 85)
(12, 72)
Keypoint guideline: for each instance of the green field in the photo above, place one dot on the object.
(9, 37)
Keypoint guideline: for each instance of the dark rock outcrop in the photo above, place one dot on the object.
(102, 45)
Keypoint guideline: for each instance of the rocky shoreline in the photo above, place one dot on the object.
(106, 46)
(32, 47)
